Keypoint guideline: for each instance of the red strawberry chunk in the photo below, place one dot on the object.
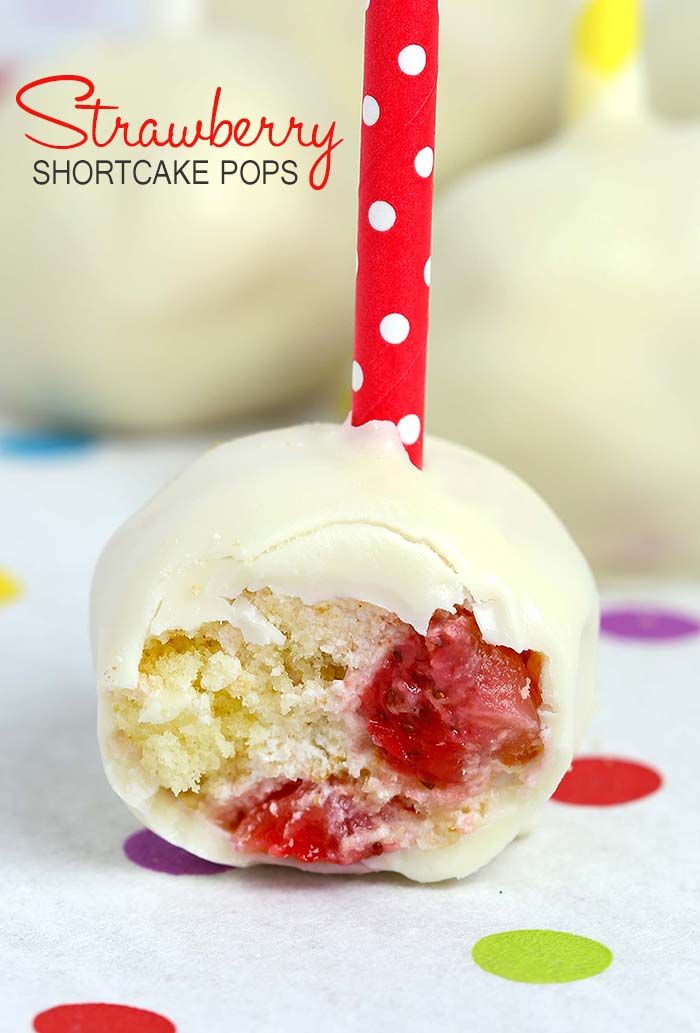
(310, 823)
(439, 704)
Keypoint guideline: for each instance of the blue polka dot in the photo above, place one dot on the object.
(41, 444)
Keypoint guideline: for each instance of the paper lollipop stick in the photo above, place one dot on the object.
(395, 216)
(606, 54)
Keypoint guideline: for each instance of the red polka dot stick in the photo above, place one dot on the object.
(395, 216)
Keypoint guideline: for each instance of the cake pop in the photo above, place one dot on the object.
(309, 651)
(565, 314)
(149, 304)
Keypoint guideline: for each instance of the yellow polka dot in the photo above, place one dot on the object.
(10, 588)
(608, 35)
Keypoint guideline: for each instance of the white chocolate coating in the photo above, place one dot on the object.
(322, 512)
(565, 318)
(154, 305)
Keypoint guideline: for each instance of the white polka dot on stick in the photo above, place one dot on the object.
(409, 429)
(412, 59)
(428, 271)
(424, 162)
(382, 216)
(394, 328)
(358, 376)
(370, 111)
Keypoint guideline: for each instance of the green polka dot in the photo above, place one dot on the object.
(541, 956)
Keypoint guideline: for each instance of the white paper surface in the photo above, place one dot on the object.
(275, 950)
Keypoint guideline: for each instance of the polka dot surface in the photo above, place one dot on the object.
(10, 588)
(541, 956)
(394, 328)
(100, 1018)
(382, 216)
(412, 59)
(147, 850)
(520, 969)
(606, 782)
(35, 444)
(650, 624)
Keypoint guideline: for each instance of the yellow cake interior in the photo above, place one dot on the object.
(213, 716)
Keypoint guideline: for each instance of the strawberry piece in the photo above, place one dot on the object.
(439, 704)
(310, 823)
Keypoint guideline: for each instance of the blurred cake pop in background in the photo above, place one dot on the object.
(179, 306)
(502, 65)
(566, 314)
(155, 305)
(673, 58)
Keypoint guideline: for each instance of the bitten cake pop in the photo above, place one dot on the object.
(566, 315)
(502, 65)
(310, 651)
(160, 303)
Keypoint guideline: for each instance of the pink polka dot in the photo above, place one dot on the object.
(100, 1018)
(650, 624)
(150, 851)
(606, 781)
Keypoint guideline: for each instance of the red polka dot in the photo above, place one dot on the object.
(100, 1018)
(606, 781)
